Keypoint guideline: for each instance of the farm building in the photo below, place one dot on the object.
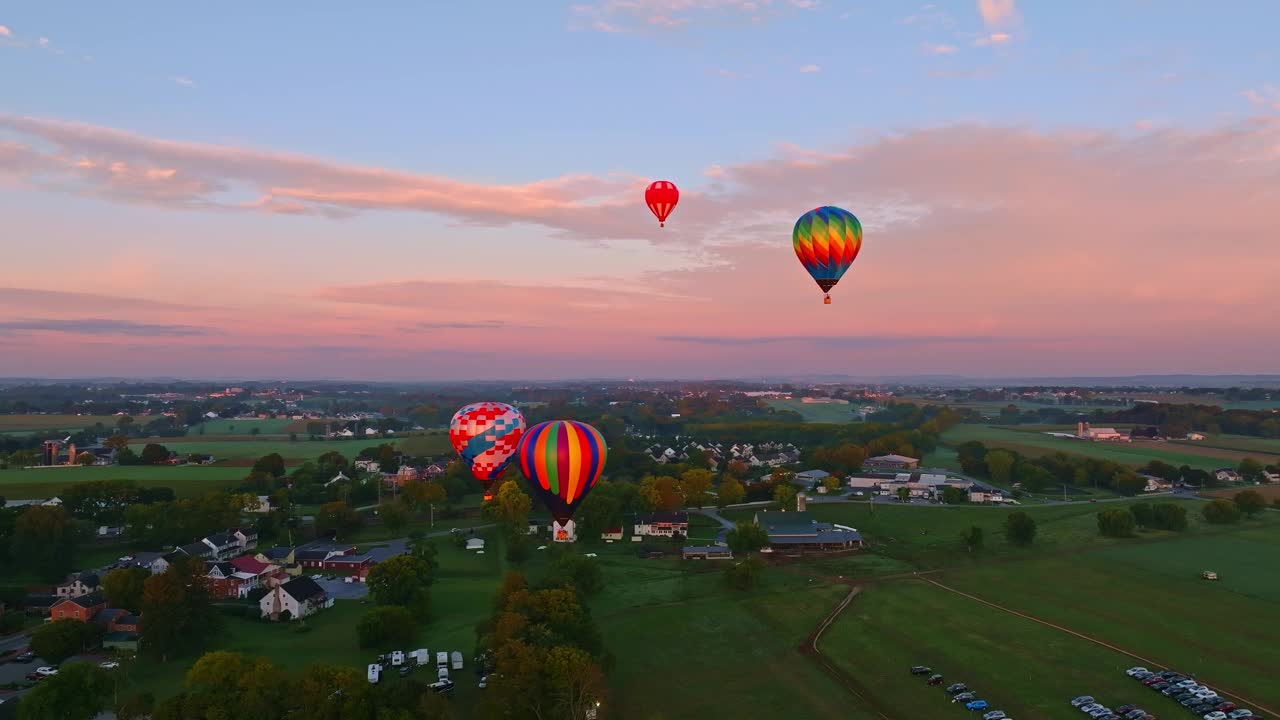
(809, 477)
(792, 531)
(891, 462)
(662, 524)
(1084, 431)
(706, 552)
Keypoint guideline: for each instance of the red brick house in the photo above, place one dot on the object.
(81, 608)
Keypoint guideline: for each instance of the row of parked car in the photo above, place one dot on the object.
(960, 692)
(1091, 707)
(1191, 694)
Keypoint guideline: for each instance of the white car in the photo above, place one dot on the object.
(1090, 707)
(591, 555)
(46, 671)
(1134, 671)
(109, 665)
(1216, 715)
(1082, 700)
(994, 715)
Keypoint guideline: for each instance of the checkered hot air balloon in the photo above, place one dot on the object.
(486, 434)
(827, 240)
(661, 196)
(563, 460)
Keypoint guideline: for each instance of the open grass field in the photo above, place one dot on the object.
(18, 484)
(1242, 443)
(1026, 669)
(42, 423)
(1270, 492)
(242, 426)
(993, 407)
(817, 412)
(252, 449)
(1149, 601)
(1177, 399)
(1034, 444)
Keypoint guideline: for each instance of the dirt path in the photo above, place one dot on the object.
(809, 648)
(1239, 699)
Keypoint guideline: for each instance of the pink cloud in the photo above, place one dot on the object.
(998, 38)
(5, 32)
(614, 16)
(1268, 98)
(997, 13)
(941, 49)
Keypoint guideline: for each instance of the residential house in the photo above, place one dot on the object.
(293, 600)
(611, 534)
(891, 462)
(82, 584)
(662, 524)
(226, 581)
(223, 545)
(196, 550)
(800, 531)
(101, 455)
(279, 555)
(809, 477)
(264, 573)
(1156, 484)
(40, 604)
(370, 466)
(1271, 477)
(981, 495)
(153, 562)
(117, 620)
(1194, 436)
(1227, 475)
(263, 506)
(245, 537)
(82, 607)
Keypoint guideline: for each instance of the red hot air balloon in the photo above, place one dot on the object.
(662, 196)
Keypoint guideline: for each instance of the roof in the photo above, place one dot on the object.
(302, 588)
(815, 474)
(106, 616)
(830, 535)
(227, 569)
(247, 532)
(311, 554)
(704, 549)
(93, 599)
(771, 519)
(249, 565)
(893, 458)
(352, 559)
(195, 549)
(89, 578)
(221, 539)
(129, 619)
(664, 517)
(278, 552)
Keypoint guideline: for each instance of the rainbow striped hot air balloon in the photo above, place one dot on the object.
(485, 434)
(562, 460)
(827, 239)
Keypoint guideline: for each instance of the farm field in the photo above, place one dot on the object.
(40, 423)
(1035, 444)
(18, 484)
(1021, 667)
(1140, 598)
(1211, 400)
(1270, 492)
(1241, 443)
(298, 451)
(243, 426)
(817, 412)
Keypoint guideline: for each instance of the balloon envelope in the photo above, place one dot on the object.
(486, 434)
(661, 196)
(562, 460)
(827, 240)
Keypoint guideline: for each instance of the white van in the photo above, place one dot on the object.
(457, 660)
(442, 673)
(397, 658)
(375, 672)
(442, 659)
(421, 656)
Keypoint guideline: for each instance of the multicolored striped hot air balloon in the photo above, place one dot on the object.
(661, 196)
(486, 434)
(827, 240)
(562, 460)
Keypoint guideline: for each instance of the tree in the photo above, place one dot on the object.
(954, 495)
(577, 571)
(60, 639)
(403, 580)
(395, 516)
(731, 491)
(1168, 516)
(86, 458)
(177, 612)
(1251, 470)
(338, 518)
(384, 628)
(138, 707)
(422, 495)
(600, 511)
(784, 496)
(78, 692)
(1127, 482)
(972, 538)
(831, 483)
(44, 541)
(737, 469)
(271, 464)
(1020, 529)
(1143, 514)
(1250, 502)
(1221, 512)
(1116, 523)
(661, 493)
(694, 485)
(117, 442)
(742, 575)
(511, 505)
(904, 494)
(999, 466)
(154, 454)
(124, 587)
(747, 537)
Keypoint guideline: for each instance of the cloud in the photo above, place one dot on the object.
(836, 342)
(942, 49)
(43, 42)
(185, 81)
(810, 69)
(480, 325)
(63, 301)
(5, 32)
(998, 38)
(98, 326)
(1268, 98)
(928, 17)
(618, 16)
(997, 13)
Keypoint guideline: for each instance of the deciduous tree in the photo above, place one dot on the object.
(60, 639)
(44, 541)
(124, 587)
(1116, 523)
(1020, 529)
(661, 493)
(972, 538)
(78, 692)
(1250, 470)
(731, 491)
(403, 580)
(999, 466)
(1250, 502)
(394, 515)
(339, 518)
(177, 612)
(384, 628)
(694, 485)
(746, 537)
(1221, 512)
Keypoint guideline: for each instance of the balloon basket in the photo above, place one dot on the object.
(662, 224)
(826, 300)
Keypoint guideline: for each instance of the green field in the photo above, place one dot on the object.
(1034, 444)
(1021, 667)
(817, 412)
(252, 449)
(16, 484)
(242, 426)
(1267, 446)
(43, 423)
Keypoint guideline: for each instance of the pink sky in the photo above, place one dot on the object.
(988, 250)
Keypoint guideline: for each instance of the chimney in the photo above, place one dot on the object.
(800, 502)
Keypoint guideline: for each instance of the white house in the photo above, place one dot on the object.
(245, 538)
(336, 478)
(371, 432)
(662, 524)
(1270, 477)
(79, 585)
(1156, 484)
(1227, 475)
(475, 543)
(298, 598)
(611, 534)
(1194, 436)
(978, 495)
(368, 465)
(223, 545)
(263, 505)
(565, 533)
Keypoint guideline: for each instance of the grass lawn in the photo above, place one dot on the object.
(252, 449)
(1024, 668)
(1034, 444)
(1242, 443)
(1150, 600)
(818, 412)
(16, 484)
(41, 423)
(241, 426)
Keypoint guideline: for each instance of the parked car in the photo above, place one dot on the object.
(994, 715)
(954, 688)
(1225, 707)
(25, 657)
(109, 665)
(1090, 707)
(1237, 714)
(976, 705)
(1136, 714)
(920, 670)
(1082, 701)
(1123, 709)
(964, 697)
(935, 679)
(1215, 715)
(1135, 670)
(1100, 713)
(444, 687)
(46, 671)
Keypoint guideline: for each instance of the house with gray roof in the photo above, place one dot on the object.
(801, 532)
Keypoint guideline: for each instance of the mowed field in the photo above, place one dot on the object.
(244, 426)
(42, 423)
(17, 484)
(1241, 443)
(818, 412)
(297, 451)
(1270, 492)
(1034, 443)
